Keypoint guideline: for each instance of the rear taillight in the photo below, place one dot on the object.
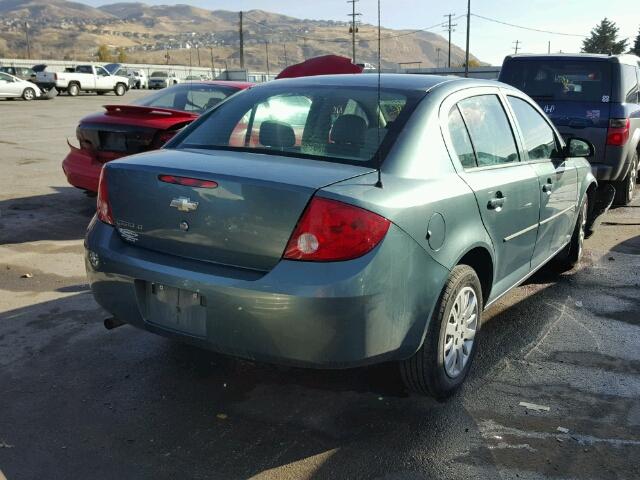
(104, 207)
(164, 136)
(331, 231)
(618, 132)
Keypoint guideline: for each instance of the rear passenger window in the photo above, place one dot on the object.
(629, 84)
(539, 139)
(489, 129)
(460, 139)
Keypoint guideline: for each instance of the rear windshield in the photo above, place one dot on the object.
(187, 97)
(337, 124)
(569, 80)
(159, 74)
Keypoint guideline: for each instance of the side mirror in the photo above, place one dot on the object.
(579, 147)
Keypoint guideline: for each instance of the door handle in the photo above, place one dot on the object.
(496, 203)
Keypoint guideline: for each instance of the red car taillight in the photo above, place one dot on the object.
(104, 207)
(332, 231)
(618, 132)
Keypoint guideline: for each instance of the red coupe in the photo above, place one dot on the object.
(147, 124)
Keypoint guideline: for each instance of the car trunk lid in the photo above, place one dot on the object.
(128, 129)
(245, 221)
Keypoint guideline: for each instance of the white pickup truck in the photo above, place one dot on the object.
(84, 78)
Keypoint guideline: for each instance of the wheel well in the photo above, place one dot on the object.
(480, 260)
(74, 83)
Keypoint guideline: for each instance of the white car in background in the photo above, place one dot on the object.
(160, 79)
(13, 87)
(140, 78)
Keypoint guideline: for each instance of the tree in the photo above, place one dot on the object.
(122, 55)
(636, 45)
(604, 39)
(103, 54)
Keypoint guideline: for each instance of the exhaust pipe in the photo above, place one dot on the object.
(113, 322)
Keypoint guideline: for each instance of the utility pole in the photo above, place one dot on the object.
(354, 27)
(517, 44)
(438, 60)
(304, 48)
(241, 44)
(213, 68)
(266, 49)
(167, 56)
(198, 52)
(286, 62)
(549, 47)
(26, 32)
(466, 55)
(449, 28)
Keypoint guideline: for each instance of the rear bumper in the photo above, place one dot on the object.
(82, 170)
(322, 315)
(44, 86)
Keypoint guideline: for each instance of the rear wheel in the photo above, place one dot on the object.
(29, 94)
(443, 362)
(570, 255)
(73, 90)
(120, 89)
(625, 188)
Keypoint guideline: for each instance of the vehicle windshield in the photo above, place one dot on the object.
(569, 80)
(188, 97)
(160, 74)
(338, 124)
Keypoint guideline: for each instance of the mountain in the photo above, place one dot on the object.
(155, 33)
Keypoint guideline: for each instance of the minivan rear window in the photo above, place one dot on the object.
(568, 80)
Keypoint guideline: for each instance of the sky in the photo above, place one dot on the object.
(490, 41)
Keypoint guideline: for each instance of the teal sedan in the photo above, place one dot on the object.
(332, 222)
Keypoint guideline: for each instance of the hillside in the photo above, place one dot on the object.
(59, 28)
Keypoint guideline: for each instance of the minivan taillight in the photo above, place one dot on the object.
(104, 207)
(330, 230)
(618, 132)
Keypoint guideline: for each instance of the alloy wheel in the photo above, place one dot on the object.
(460, 332)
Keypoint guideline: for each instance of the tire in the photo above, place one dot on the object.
(430, 371)
(571, 255)
(120, 89)
(625, 188)
(73, 90)
(29, 94)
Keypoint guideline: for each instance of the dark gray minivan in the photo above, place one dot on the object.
(596, 97)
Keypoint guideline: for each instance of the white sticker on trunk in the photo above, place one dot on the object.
(605, 98)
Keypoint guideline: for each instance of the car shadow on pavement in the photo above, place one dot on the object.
(162, 409)
(63, 215)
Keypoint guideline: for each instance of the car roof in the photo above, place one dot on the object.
(623, 58)
(387, 80)
(227, 83)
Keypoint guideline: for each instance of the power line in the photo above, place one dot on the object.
(495, 20)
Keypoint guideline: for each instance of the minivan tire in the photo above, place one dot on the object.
(625, 188)
(425, 372)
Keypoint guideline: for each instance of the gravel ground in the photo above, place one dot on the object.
(77, 401)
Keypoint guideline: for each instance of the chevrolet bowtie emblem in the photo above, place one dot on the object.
(183, 204)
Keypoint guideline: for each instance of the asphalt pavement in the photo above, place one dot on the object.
(80, 402)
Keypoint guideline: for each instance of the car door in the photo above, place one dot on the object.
(103, 79)
(5, 85)
(557, 178)
(506, 189)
